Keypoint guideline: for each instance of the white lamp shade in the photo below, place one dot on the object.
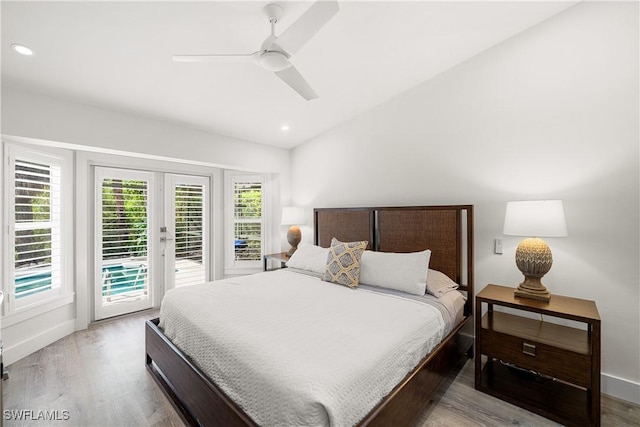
(535, 218)
(292, 216)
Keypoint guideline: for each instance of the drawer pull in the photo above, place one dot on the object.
(529, 349)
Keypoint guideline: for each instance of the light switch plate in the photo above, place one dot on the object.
(497, 246)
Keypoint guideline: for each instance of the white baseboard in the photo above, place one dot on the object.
(620, 388)
(35, 343)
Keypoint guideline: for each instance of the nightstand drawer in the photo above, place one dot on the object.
(532, 355)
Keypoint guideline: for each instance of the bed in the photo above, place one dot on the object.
(447, 231)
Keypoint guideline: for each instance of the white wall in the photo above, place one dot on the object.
(551, 113)
(40, 119)
(33, 115)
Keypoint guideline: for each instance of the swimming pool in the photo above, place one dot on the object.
(116, 279)
(120, 278)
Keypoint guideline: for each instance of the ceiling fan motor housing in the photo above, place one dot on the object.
(274, 60)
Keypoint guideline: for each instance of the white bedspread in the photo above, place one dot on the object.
(292, 350)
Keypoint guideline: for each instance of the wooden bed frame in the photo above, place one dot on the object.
(446, 230)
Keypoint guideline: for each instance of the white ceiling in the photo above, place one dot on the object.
(117, 55)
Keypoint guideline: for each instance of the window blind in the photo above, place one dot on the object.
(124, 236)
(248, 221)
(124, 215)
(37, 241)
(189, 216)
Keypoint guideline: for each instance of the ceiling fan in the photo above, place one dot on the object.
(275, 52)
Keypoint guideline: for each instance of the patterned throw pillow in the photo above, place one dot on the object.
(343, 263)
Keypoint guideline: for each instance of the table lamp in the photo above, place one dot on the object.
(293, 216)
(535, 219)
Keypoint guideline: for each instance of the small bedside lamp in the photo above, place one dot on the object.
(535, 219)
(293, 216)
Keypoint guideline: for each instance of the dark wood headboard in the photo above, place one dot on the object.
(445, 230)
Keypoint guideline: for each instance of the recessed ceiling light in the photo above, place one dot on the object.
(22, 49)
(284, 128)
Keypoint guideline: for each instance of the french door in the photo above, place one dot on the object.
(152, 234)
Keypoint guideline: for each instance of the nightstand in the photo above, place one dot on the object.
(547, 368)
(281, 256)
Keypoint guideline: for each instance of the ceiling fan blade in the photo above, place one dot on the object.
(231, 58)
(294, 79)
(305, 27)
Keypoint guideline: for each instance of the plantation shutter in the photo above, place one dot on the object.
(37, 223)
(189, 214)
(247, 219)
(124, 214)
(124, 240)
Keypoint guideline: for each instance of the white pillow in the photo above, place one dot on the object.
(439, 283)
(405, 272)
(309, 257)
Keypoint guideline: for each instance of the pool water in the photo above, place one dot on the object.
(116, 279)
(119, 279)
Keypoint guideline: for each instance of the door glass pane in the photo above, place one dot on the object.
(189, 244)
(124, 264)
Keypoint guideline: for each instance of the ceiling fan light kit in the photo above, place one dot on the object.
(273, 60)
(275, 52)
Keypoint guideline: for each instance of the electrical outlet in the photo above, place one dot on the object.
(497, 246)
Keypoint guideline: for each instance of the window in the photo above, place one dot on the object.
(38, 216)
(124, 218)
(245, 237)
(190, 232)
(124, 240)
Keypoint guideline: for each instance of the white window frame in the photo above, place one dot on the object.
(231, 265)
(64, 160)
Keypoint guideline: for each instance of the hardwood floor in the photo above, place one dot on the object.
(97, 377)
(460, 404)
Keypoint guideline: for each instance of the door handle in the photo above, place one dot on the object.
(165, 238)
